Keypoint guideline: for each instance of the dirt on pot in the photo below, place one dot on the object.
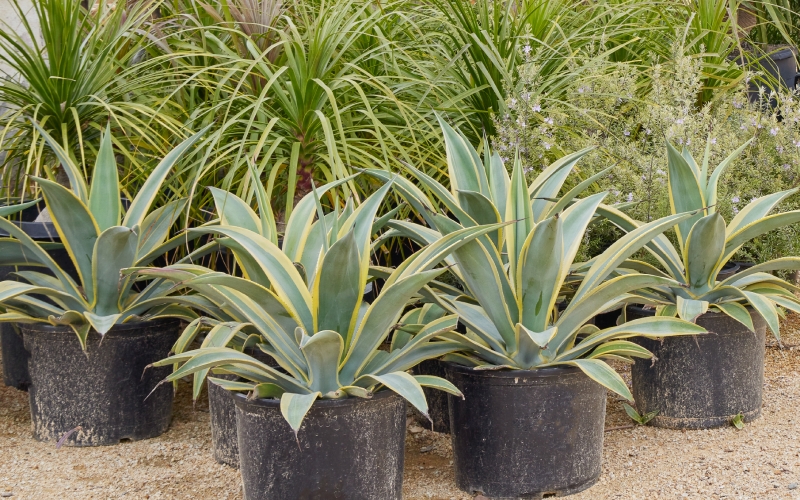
(761, 461)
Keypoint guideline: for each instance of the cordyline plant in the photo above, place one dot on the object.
(101, 243)
(513, 278)
(316, 326)
(706, 244)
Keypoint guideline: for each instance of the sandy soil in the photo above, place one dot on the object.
(762, 461)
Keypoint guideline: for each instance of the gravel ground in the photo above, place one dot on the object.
(762, 461)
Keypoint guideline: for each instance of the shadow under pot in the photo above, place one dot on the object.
(346, 449)
(701, 381)
(97, 397)
(222, 412)
(526, 433)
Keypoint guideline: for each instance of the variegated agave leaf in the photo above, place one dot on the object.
(100, 243)
(706, 244)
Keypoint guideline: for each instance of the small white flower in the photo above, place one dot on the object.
(660, 172)
(546, 145)
(773, 131)
(615, 192)
(786, 166)
(680, 141)
(581, 90)
(528, 170)
(779, 149)
(526, 49)
(629, 197)
(512, 103)
(796, 143)
(647, 131)
(735, 210)
(679, 121)
(753, 199)
(713, 140)
(626, 132)
(526, 96)
(735, 199)
(737, 104)
(548, 120)
(536, 108)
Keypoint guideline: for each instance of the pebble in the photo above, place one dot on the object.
(6, 494)
(793, 486)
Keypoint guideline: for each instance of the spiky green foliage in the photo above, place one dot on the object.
(315, 324)
(513, 278)
(705, 244)
(76, 73)
(101, 240)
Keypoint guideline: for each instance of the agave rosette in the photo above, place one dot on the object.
(315, 325)
(514, 276)
(706, 244)
(101, 242)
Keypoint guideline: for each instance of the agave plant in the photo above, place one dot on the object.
(705, 244)
(325, 339)
(101, 243)
(480, 193)
(514, 276)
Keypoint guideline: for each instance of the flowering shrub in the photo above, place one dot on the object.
(606, 109)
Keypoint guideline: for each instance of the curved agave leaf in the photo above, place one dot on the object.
(339, 288)
(738, 312)
(702, 254)
(660, 247)
(685, 193)
(438, 383)
(323, 350)
(140, 205)
(114, 250)
(757, 228)
(299, 224)
(403, 384)
(787, 263)
(689, 309)
(623, 248)
(756, 210)
(601, 373)
(76, 227)
(294, 408)
(7, 210)
(74, 174)
(466, 174)
(520, 214)
(540, 274)
(499, 181)
(104, 197)
(156, 226)
(711, 187)
(280, 270)
(233, 211)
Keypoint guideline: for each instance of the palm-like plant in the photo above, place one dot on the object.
(316, 326)
(79, 77)
(706, 244)
(101, 243)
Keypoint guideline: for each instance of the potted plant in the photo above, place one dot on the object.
(333, 374)
(303, 243)
(534, 393)
(707, 381)
(91, 338)
(479, 193)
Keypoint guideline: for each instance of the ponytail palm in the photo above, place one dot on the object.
(705, 244)
(101, 241)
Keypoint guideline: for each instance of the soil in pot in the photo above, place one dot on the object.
(222, 410)
(526, 433)
(103, 395)
(703, 381)
(346, 449)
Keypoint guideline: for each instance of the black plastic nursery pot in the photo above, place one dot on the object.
(14, 356)
(346, 449)
(99, 394)
(526, 433)
(702, 381)
(222, 410)
(438, 406)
